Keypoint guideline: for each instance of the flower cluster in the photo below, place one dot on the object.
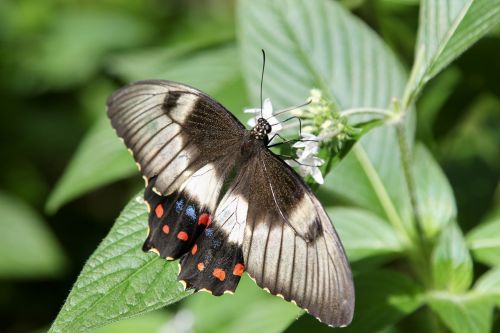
(320, 118)
(323, 128)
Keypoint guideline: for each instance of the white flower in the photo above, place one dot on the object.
(309, 142)
(316, 96)
(267, 114)
(307, 161)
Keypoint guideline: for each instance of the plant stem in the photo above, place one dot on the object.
(406, 162)
(380, 191)
(414, 84)
(422, 257)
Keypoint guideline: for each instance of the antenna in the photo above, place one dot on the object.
(262, 80)
(291, 109)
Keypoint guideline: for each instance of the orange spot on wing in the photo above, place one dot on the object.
(201, 266)
(182, 235)
(194, 249)
(159, 211)
(205, 219)
(165, 229)
(219, 274)
(239, 269)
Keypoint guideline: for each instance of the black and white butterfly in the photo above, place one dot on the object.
(221, 201)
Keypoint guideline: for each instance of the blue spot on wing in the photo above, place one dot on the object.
(179, 205)
(216, 243)
(191, 212)
(209, 232)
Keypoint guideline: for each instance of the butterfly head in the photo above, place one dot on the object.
(261, 130)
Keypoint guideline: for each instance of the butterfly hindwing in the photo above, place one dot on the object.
(290, 247)
(175, 222)
(215, 263)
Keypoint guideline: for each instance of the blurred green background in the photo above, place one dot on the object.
(60, 59)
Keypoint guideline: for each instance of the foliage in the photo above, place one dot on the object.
(28, 248)
(421, 230)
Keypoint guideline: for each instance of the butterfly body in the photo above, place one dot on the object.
(221, 201)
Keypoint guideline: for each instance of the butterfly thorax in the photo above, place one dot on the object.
(261, 130)
(255, 139)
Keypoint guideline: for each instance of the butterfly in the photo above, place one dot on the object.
(221, 201)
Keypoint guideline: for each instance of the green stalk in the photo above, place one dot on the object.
(421, 256)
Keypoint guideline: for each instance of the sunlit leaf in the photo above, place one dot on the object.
(448, 28)
(149, 322)
(484, 240)
(451, 261)
(318, 44)
(364, 234)
(120, 280)
(463, 313)
(27, 247)
(489, 284)
(435, 196)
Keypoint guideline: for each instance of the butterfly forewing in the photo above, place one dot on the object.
(174, 130)
(268, 222)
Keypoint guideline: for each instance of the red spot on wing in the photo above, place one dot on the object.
(165, 229)
(239, 269)
(219, 274)
(194, 249)
(205, 219)
(201, 266)
(159, 211)
(182, 235)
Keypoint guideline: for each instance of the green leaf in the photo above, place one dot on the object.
(489, 284)
(448, 28)
(84, 36)
(437, 205)
(149, 322)
(318, 44)
(207, 69)
(120, 280)
(451, 261)
(303, 51)
(463, 313)
(250, 309)
(484, 240)
(383, 297)
(100, 159)
(364, 234)
(27, 247)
